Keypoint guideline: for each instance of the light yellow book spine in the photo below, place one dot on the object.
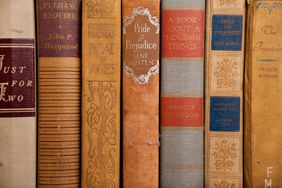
(225, 33)
(101, 64)
(263, 95)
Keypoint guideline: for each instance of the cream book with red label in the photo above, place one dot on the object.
(17, 94)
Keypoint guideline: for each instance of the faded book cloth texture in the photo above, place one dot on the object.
(182, 94)
(225, 33)
(140, 31)
(17, 102)
(101, 41)
(263, 91)
(59, 78)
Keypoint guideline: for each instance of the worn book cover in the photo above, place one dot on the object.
(140, 32)
(101, 64)
(182, 93)
(263, 96)
(58, 29)
(225, 33)
(17, 94)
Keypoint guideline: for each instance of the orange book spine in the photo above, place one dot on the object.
(141, 29)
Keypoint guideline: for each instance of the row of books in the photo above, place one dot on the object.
(108, 93)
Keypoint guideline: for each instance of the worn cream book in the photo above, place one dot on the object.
(263, 96)
(224, 93)
(17, 94)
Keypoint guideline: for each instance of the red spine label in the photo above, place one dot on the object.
(182, 111)
(183, 33)
(17, 82)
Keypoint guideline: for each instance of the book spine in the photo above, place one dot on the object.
(182, 93)
(59, 24)
(263, 91)
(101, 57)
(225, 34)
(17, 94)
(141, 29)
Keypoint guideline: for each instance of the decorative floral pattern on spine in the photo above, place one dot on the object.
(225, 33)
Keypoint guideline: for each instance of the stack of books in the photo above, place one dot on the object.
(140, 93)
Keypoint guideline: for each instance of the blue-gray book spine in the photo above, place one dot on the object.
(182, 80)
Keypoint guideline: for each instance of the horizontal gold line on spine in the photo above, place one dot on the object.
(70, 169)
(58, 148)
(60, 109)
(59, 141)
(60, 177)
(76, 135)
(67, 71)
(58, 145)
(73, 164)
(62, 95)
(59, 136)
(63, 100)
(58, 132)
(182, 166)
(62, 153)
(60, 120)
(55, 157)
(60, 127)
(45, 174)
(58, 159)
(53, 184)
(56, 79)
(62, 113)
(59, 162)
(62, 90)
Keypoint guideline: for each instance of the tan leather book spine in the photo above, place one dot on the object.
(101, 64)
(263, 91)
(17, 94)
(225, 47)
(140, 31)
(58, 27)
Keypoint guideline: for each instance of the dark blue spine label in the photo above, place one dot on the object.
(225, 114)
(227, 32)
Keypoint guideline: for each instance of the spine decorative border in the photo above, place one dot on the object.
(141, 11)
(143, 78)
(102, 136)
(269, 6)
